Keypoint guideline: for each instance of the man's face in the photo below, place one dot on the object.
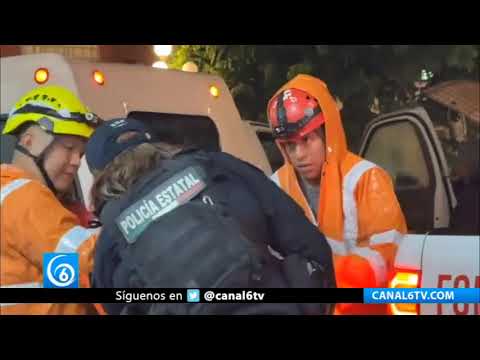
(63, 160)
(307, 155)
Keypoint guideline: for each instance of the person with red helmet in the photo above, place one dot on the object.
(350, 199)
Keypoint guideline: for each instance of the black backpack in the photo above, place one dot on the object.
(197, 243)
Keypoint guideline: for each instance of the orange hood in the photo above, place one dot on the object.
(335, 135)
(330, 215)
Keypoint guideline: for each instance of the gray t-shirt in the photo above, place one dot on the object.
(312, 193)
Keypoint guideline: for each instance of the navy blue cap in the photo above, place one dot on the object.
(102, 147)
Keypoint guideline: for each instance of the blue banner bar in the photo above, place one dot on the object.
(421, 296)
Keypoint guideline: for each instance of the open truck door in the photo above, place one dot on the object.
(405, 144)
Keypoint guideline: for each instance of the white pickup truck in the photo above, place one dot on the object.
(443, 246)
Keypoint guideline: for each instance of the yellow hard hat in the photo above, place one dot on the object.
(55, 109)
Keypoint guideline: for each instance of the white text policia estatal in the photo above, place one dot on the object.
(162, 202)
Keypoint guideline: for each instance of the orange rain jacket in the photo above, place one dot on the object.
(33, 222)
(358, 211)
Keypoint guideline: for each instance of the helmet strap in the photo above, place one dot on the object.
(282, 112)
(39, 160)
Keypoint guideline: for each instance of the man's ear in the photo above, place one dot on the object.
(26, 139)
(34, 139)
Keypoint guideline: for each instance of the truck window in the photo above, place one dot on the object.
(186, 130)
(274, 155)
(404, 162)
(397, 148)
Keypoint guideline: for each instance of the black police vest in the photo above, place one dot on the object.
(215, 235)
(204, 241)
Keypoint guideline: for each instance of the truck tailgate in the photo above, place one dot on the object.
(451, 262)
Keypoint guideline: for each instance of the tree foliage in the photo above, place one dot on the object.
(356, 74)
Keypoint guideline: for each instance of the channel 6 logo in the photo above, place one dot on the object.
(60, 270)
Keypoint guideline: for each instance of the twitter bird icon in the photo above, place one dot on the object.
(193, 295)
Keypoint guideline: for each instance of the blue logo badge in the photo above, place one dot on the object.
(60, 270)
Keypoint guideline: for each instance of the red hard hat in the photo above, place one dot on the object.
(293, 114)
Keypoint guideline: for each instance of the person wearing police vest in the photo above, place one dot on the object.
(178, 217)
(350, 199)
(52, 126)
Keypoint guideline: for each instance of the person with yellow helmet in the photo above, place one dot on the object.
(51, 126)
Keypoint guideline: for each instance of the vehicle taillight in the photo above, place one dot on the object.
(405, 279)
(41, 76)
